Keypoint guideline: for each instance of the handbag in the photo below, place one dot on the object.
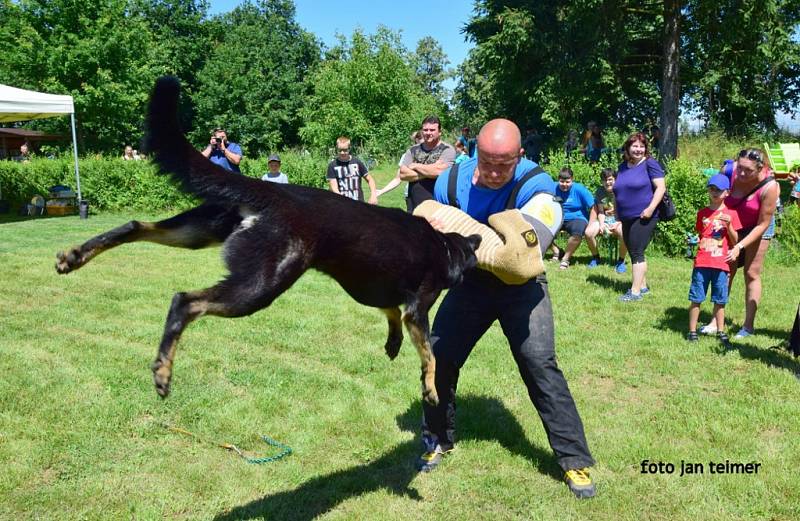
(666, 208)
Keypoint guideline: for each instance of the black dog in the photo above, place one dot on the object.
(273, 233)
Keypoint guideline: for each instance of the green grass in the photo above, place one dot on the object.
(82, 431)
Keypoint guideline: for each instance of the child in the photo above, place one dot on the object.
(604, 216)
(717, 228)
(461, 152)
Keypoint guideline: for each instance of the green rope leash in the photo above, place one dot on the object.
(285, 449)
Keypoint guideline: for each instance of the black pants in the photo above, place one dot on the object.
(637, 234)
(526, 316)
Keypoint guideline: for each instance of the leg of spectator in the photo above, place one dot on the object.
(754, 262)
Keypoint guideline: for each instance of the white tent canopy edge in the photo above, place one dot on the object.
(23, 105)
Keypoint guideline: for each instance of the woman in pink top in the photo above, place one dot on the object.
(755, 206)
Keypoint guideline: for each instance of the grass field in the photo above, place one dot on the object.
(83, 434)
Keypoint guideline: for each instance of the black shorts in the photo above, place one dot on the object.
(575, 227)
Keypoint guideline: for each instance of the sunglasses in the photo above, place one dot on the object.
(344, 150)
(752, 155)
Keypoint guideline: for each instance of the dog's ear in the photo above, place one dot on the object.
(474, 241)
(462, 256)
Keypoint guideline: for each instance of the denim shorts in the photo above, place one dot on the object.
(770, 233)
(701, 278)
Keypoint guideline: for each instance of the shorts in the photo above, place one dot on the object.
(702, 278)
(770, 233)
(574, 227)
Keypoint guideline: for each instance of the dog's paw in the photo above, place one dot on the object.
(392, 346)
(162, 375)
(67, 261)
(430, 396)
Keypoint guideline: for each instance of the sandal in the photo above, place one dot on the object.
(564, 264)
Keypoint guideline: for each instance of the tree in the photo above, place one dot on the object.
(94, 50)
(742, 61)
(366, 89)
(252, 82)
(670, 91)
(431, 64)
(733, 61)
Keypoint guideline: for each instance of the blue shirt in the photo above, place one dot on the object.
(577, 202)
(218, 157)
(480, 202)
(633, 189)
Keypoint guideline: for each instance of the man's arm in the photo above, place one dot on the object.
(406, 173)
(207, 151)
(334, 185)
(444, 162)
(431, 171)
(391, 185)
(234, 154)
(373, 192)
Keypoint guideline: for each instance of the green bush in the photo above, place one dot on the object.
(300, 166)
(114, 184)
(785, 247)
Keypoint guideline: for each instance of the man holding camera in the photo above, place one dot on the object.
(222, 152)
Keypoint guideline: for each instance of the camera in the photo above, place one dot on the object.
(218, 140)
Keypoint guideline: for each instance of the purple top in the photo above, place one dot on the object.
(633, 189)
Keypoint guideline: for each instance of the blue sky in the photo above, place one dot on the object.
(438, 18)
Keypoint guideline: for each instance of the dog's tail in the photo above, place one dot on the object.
(177, 157)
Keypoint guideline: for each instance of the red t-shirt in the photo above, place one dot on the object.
(713, 246)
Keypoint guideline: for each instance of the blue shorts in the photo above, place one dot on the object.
(770, 233)
(575, 227)
(701, 278)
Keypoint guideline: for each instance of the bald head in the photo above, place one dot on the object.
(499, 152)
(499, 136)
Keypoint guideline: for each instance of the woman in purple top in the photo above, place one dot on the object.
(638, 191)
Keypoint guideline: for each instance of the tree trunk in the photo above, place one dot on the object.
(671, 87)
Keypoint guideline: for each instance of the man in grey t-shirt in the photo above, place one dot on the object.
(422, 164)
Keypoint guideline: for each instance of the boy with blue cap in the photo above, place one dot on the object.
(717, 228)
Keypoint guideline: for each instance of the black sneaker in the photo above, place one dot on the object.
(723, 339)
(580, 483)
(431, 458)
(692, 336)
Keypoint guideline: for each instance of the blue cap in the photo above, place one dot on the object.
(727, 168)
(720, 181)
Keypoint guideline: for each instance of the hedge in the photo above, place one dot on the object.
(114, 184)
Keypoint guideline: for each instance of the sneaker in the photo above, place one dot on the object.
(644, 291)
(744, 333)
(708, 330)
(620, 267)
(630, 297)
(564, 265)
(580, 483)
(431, 458)
(692, 336)
(723, 339)
(595, 262)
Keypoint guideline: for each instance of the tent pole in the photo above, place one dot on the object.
(75, 153)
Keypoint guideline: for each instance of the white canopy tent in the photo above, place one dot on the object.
(23, 105)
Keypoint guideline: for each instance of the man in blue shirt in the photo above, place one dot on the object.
(222, 152)
(483, 187)
(578, 201)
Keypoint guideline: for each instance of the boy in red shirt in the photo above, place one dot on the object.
(717, 228)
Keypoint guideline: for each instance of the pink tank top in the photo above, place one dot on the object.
(747, 210)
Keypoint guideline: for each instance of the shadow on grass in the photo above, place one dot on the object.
(484, 419)
(614, 284)
(677, 319)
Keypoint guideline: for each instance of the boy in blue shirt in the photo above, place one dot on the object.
(578, 200)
